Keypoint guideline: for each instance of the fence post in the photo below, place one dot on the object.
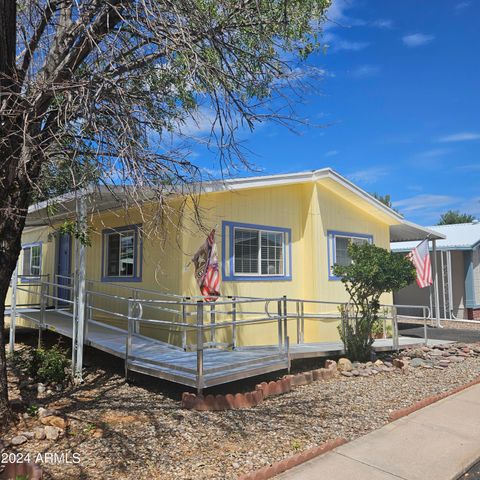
(285, 319)
(425, 330)
(136, 326)
(302, 331)
(344, 320)
(279, 314)
(13, 310)
(287, 351)
(212, 323)
(395, 329)
(42, 312)
(199, 346)
(297, 309)
(128, 340)
(88, 308)
(234, 323)
(384, 323)
(56, 282)
(184, 321)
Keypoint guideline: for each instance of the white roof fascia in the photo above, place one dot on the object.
(300, 177)
(255, 182)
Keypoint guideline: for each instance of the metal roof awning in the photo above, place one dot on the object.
(98, 199)
(408, 231)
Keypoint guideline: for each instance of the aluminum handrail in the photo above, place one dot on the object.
(58, 285)
(166, 294)
(206, 326)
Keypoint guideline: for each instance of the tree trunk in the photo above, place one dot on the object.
(13, 210)
(11, 225)
(14, 200)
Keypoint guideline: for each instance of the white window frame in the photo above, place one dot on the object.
(332, 246)
(30, 275)
(259, 272)
(124, 233)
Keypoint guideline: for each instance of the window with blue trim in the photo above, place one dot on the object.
(121, 254)
(32, 260)
(338, 243)
(255, 252)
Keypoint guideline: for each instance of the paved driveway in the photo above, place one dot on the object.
(458, 335)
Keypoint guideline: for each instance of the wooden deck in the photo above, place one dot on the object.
(162, 360)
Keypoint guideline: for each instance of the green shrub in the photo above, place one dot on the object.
(372, 272)
(49, 365)
(32, 410)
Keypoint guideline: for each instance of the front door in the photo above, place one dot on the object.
(64, 243)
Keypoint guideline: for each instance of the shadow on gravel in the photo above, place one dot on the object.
(94, 359)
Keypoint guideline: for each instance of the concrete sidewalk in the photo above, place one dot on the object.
(438, 442)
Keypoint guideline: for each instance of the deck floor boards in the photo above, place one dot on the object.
(163, 360)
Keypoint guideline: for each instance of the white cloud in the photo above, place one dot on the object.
(200, 123)
(433, 153)
(211, 172)
(364, 71)
(337, 43)
(331, 153)
(471, 167)
(471, 206)
(382, 23)
(336, 15)
(368, 175)
(350, 45)
(298, 75)
(460, 137)
(462, 6)
(425, 202)
(427, 208)
(338, 19)
(417, 39)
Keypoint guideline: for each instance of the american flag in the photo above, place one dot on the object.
(420, 257)
(206, 268)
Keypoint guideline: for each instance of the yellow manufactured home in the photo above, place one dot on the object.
(276, 235)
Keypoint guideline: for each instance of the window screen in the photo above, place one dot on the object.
(32, 260)
(246, 251)
(258, 252)
(341, 249)
(120, 254)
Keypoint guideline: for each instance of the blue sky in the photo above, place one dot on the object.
(399, 101)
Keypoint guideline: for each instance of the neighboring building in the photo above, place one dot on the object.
(276, 235)
(458, 261)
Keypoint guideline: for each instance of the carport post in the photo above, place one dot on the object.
(79, 323)
(450, 284)
(13, 309)
(435, 283)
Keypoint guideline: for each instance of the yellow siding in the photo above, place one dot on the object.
(278, 207)
(308, 209)
(44, 236)
(161, 265)
(329, 211)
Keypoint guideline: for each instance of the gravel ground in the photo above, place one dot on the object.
(136, 431)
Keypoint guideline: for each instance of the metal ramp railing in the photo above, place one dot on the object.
(187, 339)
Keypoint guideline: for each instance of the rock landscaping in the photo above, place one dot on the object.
(143, 431)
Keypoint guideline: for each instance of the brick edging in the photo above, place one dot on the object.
(403, 412)
(263, 390)
(287, 463)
